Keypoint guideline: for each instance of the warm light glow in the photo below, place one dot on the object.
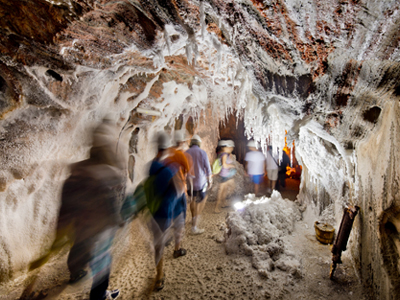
(286, 148)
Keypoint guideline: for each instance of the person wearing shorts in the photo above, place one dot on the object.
(201, 181)
(226, 174)
(178, 160)
(272, 169)
(255, 165)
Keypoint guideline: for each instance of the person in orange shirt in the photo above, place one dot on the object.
(179, 162)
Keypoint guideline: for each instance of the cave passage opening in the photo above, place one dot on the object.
(288, 184)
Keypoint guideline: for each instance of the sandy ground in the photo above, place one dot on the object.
(206, 272)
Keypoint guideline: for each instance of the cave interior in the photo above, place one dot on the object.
(321, 76)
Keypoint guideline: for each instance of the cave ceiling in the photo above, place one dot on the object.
(314, 59)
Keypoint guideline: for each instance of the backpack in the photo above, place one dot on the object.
(217, 166)
(153, 199)
(145, 195)
(134, 203)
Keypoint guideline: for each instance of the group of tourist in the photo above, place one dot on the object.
(178, 176)
(190, 173)
(258, 165)
(179, 173)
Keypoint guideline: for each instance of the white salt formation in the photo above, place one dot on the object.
(257, 229)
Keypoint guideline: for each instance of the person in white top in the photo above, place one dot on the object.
(255, 165)
(272, 169)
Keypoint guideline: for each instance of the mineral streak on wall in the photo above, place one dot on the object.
(326, 71)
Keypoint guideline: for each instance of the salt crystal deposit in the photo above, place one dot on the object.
(256, 229)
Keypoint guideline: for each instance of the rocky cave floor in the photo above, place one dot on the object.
(206, 272)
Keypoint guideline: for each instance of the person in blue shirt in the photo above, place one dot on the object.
(164, 191)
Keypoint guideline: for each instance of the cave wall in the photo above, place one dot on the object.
(352, 160)
(379, 199)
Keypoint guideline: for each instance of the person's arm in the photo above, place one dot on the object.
(186, 166)
(224, 163)
(265, 166)
(245, 168)
(190, 187)
(207, 169)
(190, 174)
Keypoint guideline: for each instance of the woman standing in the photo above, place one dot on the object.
(227, 172)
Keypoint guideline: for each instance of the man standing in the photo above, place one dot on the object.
(272, 169)
(202, 181)
(255, 165)
(282, 171)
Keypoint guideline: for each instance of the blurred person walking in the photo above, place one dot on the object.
(272, 169)
(255, 165)
(90, 211)
(162, 196)
(202, 181)
(180, 162)
(227, 172)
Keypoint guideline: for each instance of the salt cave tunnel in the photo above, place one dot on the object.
(326, 71)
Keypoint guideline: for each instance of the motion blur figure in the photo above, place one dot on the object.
(227, 172)
(255, 165)
(179, 162)
(162, 196)
(90, 211)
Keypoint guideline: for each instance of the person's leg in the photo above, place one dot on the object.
(201, 205)
(100, 264)
(256, 188)
(230, 185)
(270, 181)
(159, 284)
(196, 214)
(274, 178)
(159, 238)
(179, 229)
(98, 290)
(78, 259)
(192, 209)
(220, 195)
(160, 269)
(273, 184)
(282, 178)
